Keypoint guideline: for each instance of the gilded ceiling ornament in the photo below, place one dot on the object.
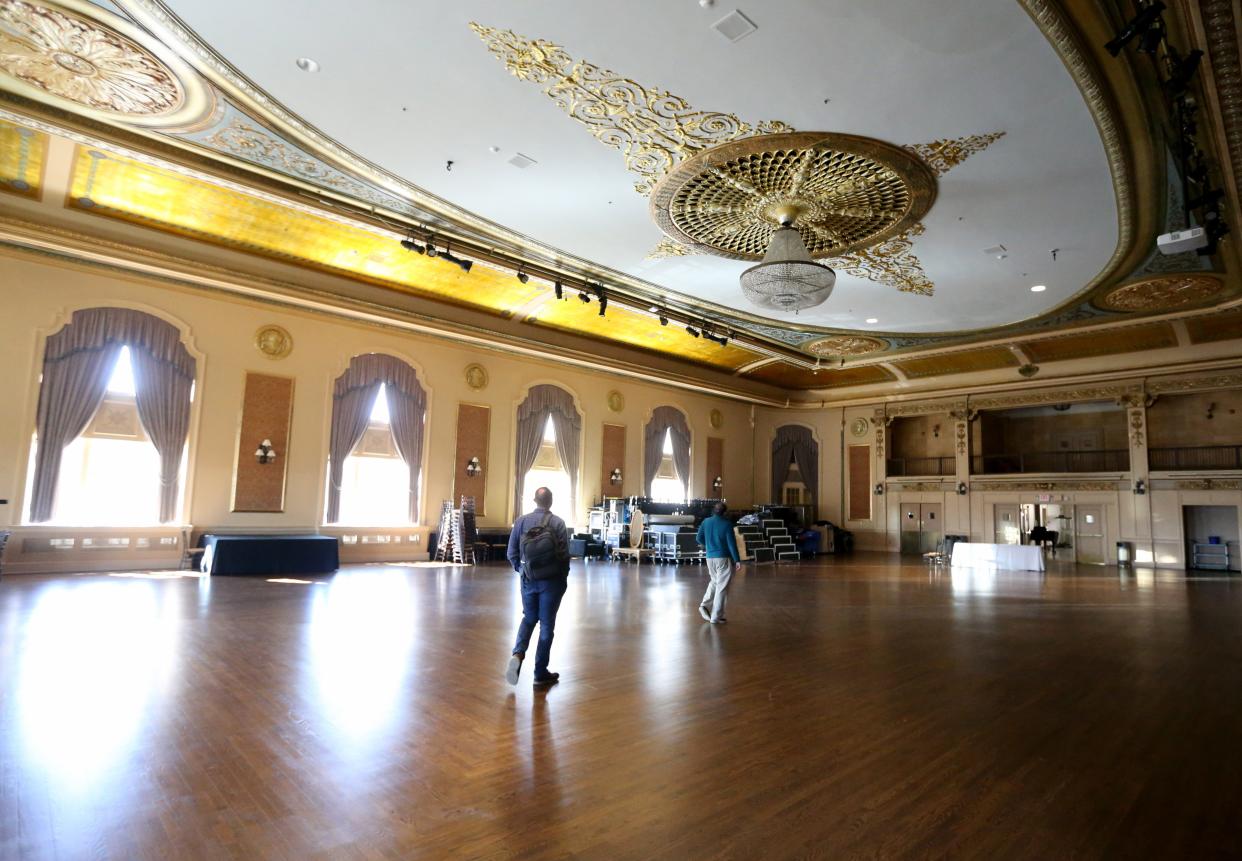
(275, 342)
(616, 401)
(654, 129)
(79, 60)
(890, 262)
(947, 153)
(1163, 294)
(844, 192)
(669, 247)
(476, 377)
(845, 345)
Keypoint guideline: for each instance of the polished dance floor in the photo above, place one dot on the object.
(859, 708)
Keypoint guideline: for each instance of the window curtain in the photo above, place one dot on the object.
(77, 362)
(666, 420)
(532, 415)
(795, 442)
(353, 397)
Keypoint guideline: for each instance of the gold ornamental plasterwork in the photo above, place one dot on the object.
(273, 341)
(1209, 484)
(923, 408)
(669, 247)
(1195, 384)
(848, 192)
(653, 129)
(844, 345)
(254, 144)
(947, 153)
(892, 262)
(76, 55)
(923, 487)
(1088, 393)
(1138, 425)
(1046, 486)
(1163, 294)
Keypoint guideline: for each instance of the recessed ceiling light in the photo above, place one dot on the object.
(873, 319)
(306, 64)
(1038, 288)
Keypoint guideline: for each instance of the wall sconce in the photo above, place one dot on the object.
(879, 490)
(961, 488)
(1210, 410)
(718, 483)
(473, 467)
(265, 453)
(1140, 487)
(936, 431)
(614, 477)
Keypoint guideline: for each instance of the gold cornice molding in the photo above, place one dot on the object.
(1059, 486)
(1200, 383)
(38, 241)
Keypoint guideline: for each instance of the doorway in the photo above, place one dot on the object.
(921, 527)
(1051, 526)
(1089, 534)
(1211, 533)
(1007, 528)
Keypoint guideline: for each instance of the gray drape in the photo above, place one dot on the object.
(795, 442)
(532, 416)
(672, 421)
(353, 397)
(77, 362)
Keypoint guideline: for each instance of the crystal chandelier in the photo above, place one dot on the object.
(787, 279)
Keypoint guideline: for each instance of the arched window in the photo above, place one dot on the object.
(379, 410)
(112, 423)
(548, 471)
(666, 455)
(545, 407)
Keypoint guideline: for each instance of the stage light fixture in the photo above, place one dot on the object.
(603, 304)
(1182, 71)
(1140, 25)
(410, 245)
(522, 276)
(663, 320)
(584, 296)
(464, 265)
(693, 332)
(432, 251)
(560, 290)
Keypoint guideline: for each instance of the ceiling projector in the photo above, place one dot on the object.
(1183, 240)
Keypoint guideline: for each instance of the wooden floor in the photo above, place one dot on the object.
(859, 708)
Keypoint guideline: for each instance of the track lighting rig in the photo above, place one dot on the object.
(1175, 72)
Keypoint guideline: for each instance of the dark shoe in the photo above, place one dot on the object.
(515, 666)
(722, 620)
(707, 617)
(549, 679)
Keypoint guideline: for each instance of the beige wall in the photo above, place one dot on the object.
(219, 330)
(1182, 420)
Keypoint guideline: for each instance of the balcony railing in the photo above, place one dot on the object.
(1195, 457)
(1098, 460)
(900, 466)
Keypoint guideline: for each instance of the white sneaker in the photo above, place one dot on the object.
(511, 672)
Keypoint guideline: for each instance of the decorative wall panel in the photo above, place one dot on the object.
(613, 457)
(860, 482)
(474, 423)
(267, 410)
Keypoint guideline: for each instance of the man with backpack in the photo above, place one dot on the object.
(539, 551)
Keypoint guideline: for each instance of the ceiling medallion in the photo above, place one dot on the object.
(275, 342)
(616, 401)
(476, 377)
(1163, 294)
(844, 345)
(74, 54)
(844, 193)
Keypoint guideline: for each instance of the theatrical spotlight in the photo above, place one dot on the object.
(603, 304)
(1181, 71)
(663, 320)
(432, 251)
(1147, 20)
(456, 261)
(522, 276)
(693, 332)
(584, 296)
(410, 245)
(560, 290)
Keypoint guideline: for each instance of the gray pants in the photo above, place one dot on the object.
(719, 572)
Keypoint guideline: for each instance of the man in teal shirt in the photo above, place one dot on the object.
(716, 536)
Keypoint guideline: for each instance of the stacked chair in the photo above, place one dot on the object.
(778, 538)
(756, 543)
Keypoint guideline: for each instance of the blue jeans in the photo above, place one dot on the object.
(540, 601)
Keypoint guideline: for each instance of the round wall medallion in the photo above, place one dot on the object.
(844, 345)
(476, 377)
(273, 342)
(848, 192)
(616, 401)
(859, 427)
(73, 54)
(1164, 293)
(716, 417)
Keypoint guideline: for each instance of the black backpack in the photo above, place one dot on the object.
(542, 556)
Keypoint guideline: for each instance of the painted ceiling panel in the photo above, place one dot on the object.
(22, 156)
(795, 377)
(958, 363)
(1152, 336)
(1223, 326)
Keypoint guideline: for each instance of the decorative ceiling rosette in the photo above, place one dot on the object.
(75, 55)
(1163, 294)
(845, 345)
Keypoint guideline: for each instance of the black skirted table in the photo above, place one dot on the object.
(270, 554)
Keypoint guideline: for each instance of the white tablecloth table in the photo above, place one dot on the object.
(1016, 557)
